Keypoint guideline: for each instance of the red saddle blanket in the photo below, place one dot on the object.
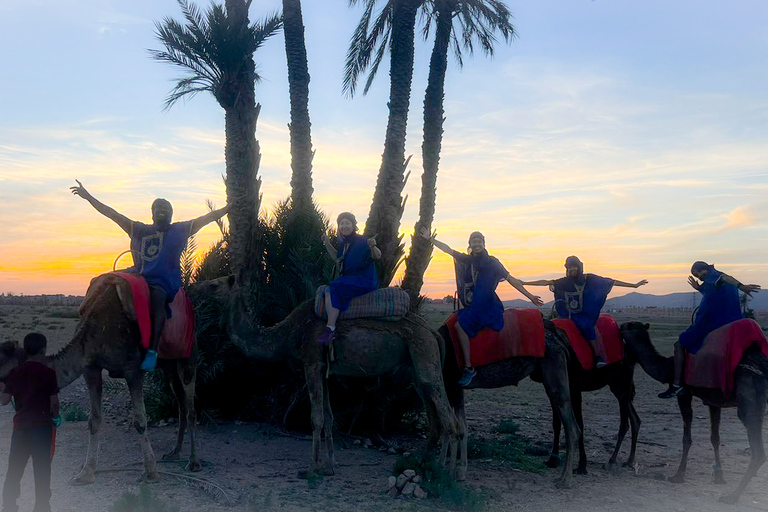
(713, 366)
(521, 336)
(179, 332)
(608, 341)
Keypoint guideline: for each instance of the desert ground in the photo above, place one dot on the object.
(255, 465)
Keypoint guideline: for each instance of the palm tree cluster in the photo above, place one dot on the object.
(278, 258)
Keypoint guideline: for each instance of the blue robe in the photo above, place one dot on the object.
(582, 302)
(477, 278)
(719, 306)
(358, 274)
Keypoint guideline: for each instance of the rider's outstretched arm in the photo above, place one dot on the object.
(746, 288)
(121, 220)
(198, 223)
(638, 284)
(540, 282)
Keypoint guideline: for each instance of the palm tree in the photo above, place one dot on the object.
(298, 83)
(393, 28)
(216, 47)
(459, 24)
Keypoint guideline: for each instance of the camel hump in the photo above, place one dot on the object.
(123, 285)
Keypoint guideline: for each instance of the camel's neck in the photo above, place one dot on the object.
(660, 368)
(268, 344)
(69, 362)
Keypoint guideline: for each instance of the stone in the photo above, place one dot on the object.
(406, 454)
(391, 481)
(392, 451)
(408, 489)
(368, 443)
(393, 492)
(401, 481)
(420, 493)
(409, 473)
(357, 442)
(416, 479)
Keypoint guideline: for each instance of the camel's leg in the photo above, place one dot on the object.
(178, 393)
(581, 469)
(94, 381)
(714, 437)
(684, 403)
(634, 420)
(624, 405)
(456, 399)
(187, 375)
(555, 378)
(554, 455)
(751, 407)
(425, 353)
(134, 381)
(327, 431)
(313, 372)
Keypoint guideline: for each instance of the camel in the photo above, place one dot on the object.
(107, 338)
(749, 398)
(551, 370)
(362, 348)
(619, 379)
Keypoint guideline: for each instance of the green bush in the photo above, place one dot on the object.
(511, 448)
(144, 501)
(73, 412)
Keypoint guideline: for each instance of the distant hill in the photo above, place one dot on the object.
(684, 300)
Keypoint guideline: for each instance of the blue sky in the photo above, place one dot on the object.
(631, 134)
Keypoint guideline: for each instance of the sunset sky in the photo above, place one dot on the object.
(632, 134)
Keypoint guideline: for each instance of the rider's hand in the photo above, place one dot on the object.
(79, 190)
(536, 300)
(426, 235)
(641, 283)
(749, 288)
(372, 242)
(694, 283)
(326, 240)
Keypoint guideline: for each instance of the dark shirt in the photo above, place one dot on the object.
(582, 302)
(32, 384)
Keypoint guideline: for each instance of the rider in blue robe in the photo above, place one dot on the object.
(720, 305)
(354, 257)
(477, 276)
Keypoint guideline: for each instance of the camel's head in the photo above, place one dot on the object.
(11, 356)
(634, 332)
(221, 288)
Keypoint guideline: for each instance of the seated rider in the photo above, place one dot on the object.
(719, 305)
(357, 271)
(156, 249)
(580, 297)
(482, 273)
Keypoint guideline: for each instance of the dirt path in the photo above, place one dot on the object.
(258, 468)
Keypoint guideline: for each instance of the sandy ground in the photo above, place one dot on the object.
(257, 466)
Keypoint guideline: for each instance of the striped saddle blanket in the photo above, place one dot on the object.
(382, 304)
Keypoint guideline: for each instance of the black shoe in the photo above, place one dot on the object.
(599, 363)
(466, 377)
(672, 392)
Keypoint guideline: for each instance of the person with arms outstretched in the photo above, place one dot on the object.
(719, 305)
(580, 297)
(156, 249)
(478, 274)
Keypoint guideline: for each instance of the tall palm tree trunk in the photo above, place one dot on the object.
(421, 249)
(242, 160)
(298, 83)
(388, 205)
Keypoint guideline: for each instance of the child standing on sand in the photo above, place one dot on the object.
(35, 392)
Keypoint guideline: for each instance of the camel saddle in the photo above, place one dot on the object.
(382, 304)
(178, 336)
(714, 364)
(521, 336)
(608, 340)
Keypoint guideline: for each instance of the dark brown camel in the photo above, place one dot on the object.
(749, 398)
(107, 338)
(619, 377)
(551, 370)
(362, 348)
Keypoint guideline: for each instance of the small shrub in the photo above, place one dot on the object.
(144, 501)
(64, 313)
(73, 412)
(437, 481)
(158, 399)
(512, 448)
